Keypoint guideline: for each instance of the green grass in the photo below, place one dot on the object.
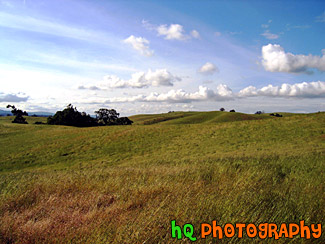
(124, 184)
(199, 117)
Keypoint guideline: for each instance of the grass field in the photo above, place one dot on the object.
(124, 184)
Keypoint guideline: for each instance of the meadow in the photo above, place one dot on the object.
(124, 184)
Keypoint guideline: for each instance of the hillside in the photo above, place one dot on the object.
(124, 184)
(199, 117)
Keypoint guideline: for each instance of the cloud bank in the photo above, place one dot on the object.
(298, 90)
(159, 77)
(224, 93)
(12, 98)
(275, 59)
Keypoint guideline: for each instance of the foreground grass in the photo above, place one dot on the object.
(124, 184)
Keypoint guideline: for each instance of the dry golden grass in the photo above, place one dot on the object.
(125, 184)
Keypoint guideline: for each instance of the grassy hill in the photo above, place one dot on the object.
(199, 117)
(124, 184)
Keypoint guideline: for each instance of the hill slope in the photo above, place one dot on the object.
(124, 184)
(199, 117)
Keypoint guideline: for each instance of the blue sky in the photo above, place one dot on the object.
(156, 56)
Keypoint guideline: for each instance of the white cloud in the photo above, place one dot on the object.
(276, 60)
(321, 18)
(222, 93)
(140, 44)
(173, 32)
(195, 34)
(159, 77)
(12, 98)
(269, 35)
(208, 68)
(298, 90)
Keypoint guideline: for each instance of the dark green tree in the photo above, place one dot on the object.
(124, 121)
(107, 116)
(71, 116)
(19, 115)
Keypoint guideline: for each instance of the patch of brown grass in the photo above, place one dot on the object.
(51, 217)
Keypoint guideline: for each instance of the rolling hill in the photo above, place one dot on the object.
(124, 184)
(199, 117)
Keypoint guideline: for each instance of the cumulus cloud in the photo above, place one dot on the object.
(12, 98)
(275, 59)
(172, 32)
(195, 34)
(159, 77)
(222, 93)
(208, 68)
(268, 35)
(298, 90)
(140, 44)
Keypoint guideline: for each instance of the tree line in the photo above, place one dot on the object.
(72, 117)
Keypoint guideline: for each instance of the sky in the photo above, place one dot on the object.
(158, 56)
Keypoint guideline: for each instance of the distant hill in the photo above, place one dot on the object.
(40, 114)
(199, 117)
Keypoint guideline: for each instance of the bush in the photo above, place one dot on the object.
(276, 115)
(259, 112)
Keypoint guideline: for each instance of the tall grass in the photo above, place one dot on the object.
(124, 184)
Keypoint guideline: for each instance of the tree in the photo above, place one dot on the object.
(107, 116)
(222, 109)
(71, 116)
(124, 121)
(19, 115)
(233, 110)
